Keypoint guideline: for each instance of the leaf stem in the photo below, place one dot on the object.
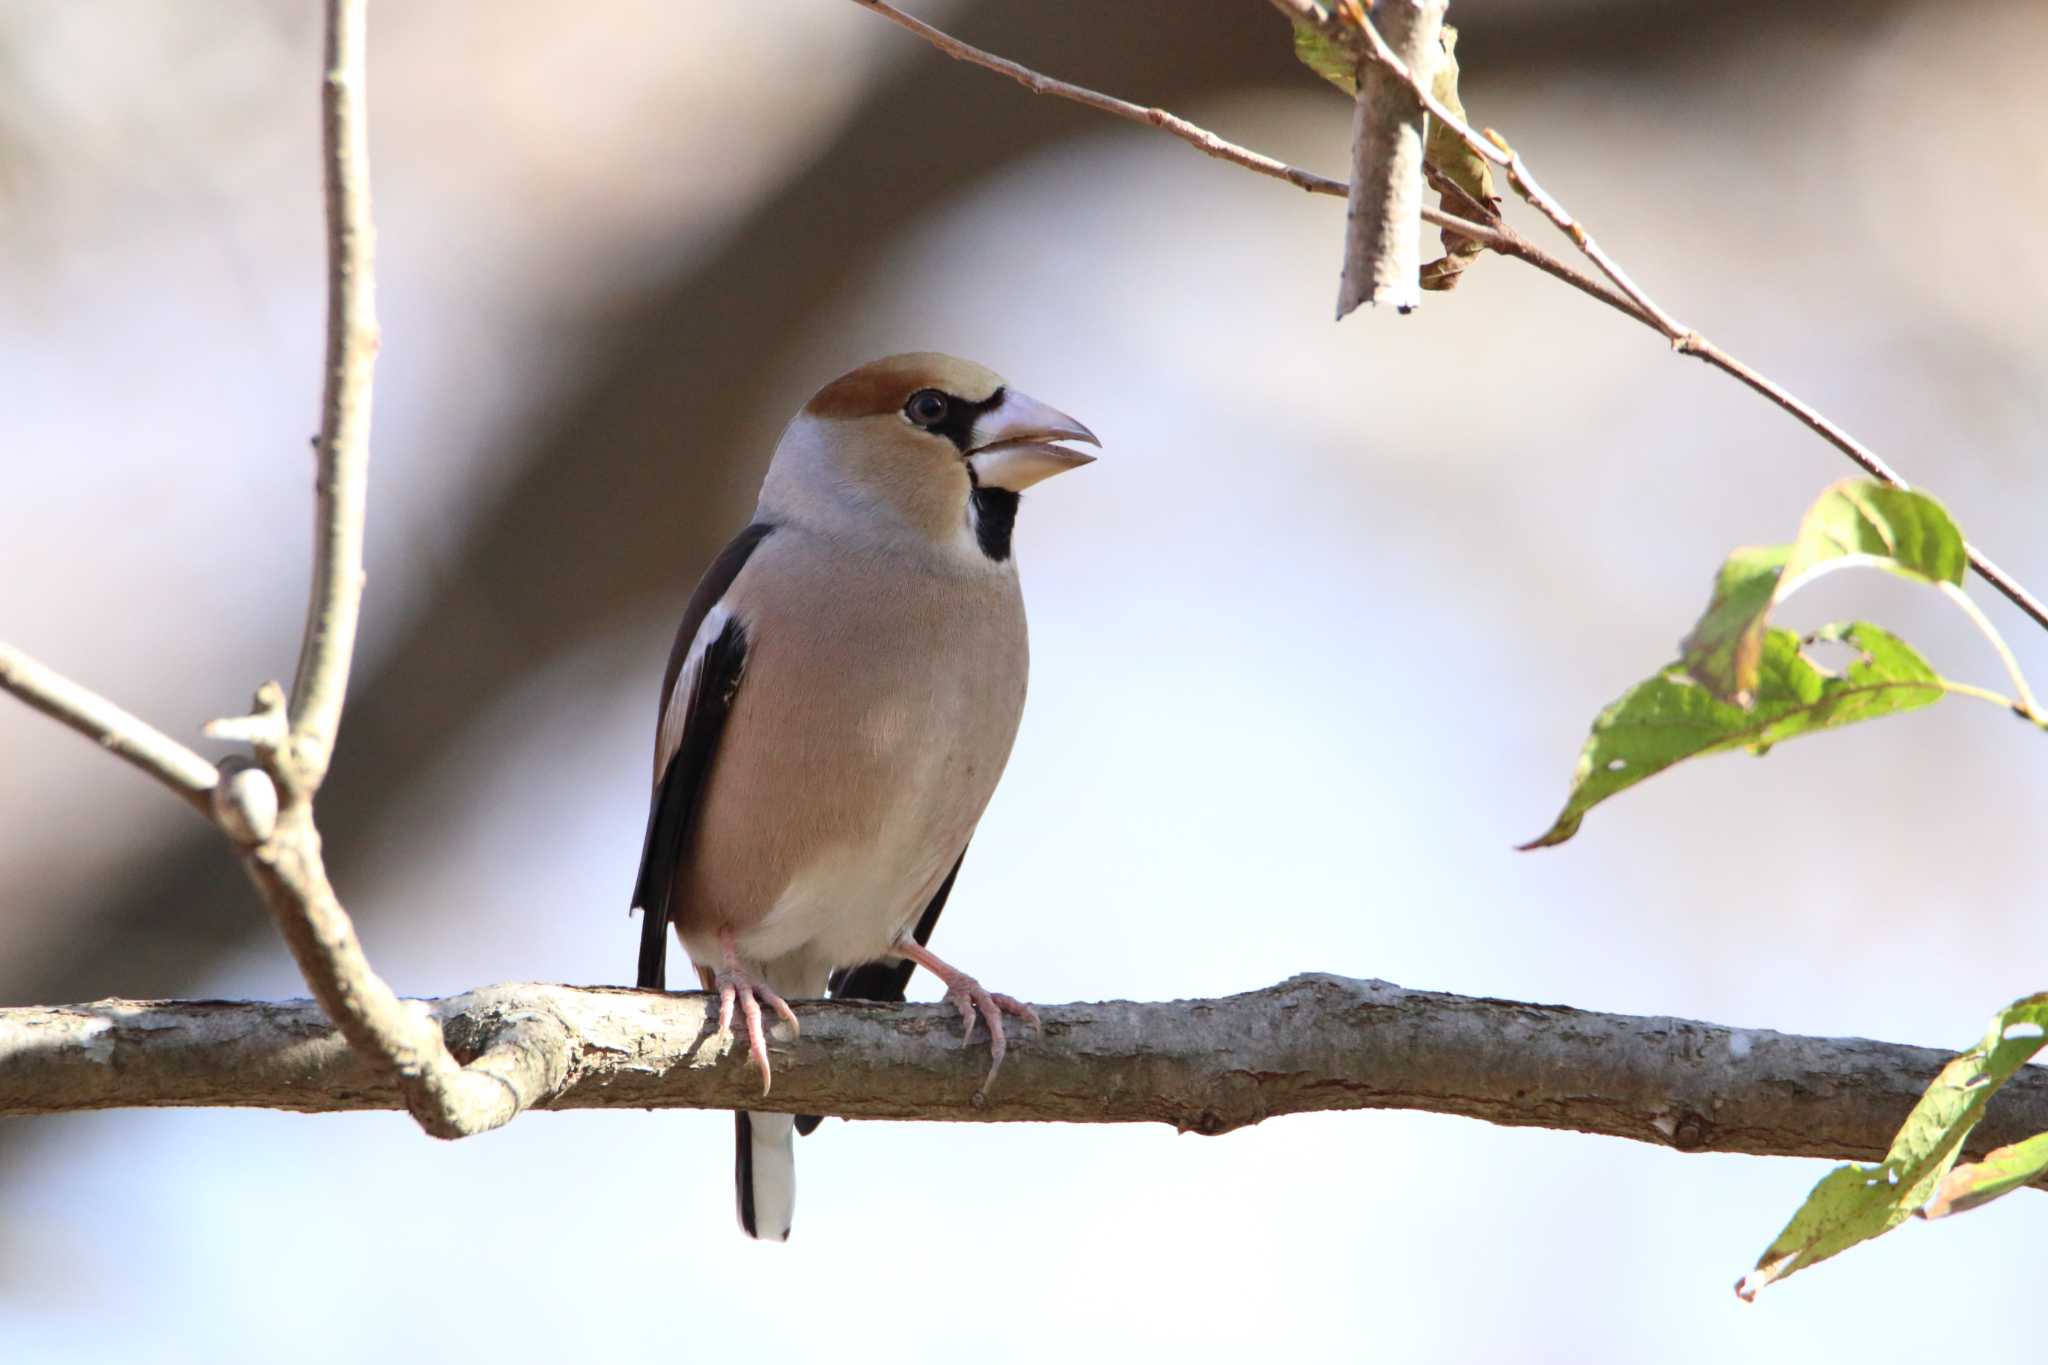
(2026, 706)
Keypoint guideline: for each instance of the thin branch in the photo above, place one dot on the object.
(1363, 41)
(1037, 84)
(125, 736)
(344, 441)
(1499, 237)
(1205, 1066)
(279, 843)
(268, 811)
(1631, 302)
(285, 860)
(1383, 212)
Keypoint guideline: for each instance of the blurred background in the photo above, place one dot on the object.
(1316, 644)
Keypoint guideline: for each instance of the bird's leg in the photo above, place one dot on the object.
(736, 986)
(966, 994)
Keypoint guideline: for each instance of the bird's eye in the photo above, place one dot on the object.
(927, 408)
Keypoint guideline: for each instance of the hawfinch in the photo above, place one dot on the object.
(840, 701)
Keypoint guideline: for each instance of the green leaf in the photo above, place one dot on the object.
(1855, 522)
(1669, 718)
(2003, 1170)
(1325, 58)
(1854, 1203)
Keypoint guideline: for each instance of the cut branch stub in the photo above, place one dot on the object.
(1383, 214)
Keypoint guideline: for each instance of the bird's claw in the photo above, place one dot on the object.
(966, 994)
(735, 987)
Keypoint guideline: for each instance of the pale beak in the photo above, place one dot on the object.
(1013, 443)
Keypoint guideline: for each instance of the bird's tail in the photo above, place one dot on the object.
(764, 1172)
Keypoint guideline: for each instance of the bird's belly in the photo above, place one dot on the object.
(851, 777)
(846, 905)
(853, 891)
(857, 843)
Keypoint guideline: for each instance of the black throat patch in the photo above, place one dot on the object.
(995, 516)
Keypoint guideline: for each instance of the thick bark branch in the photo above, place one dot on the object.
(1208, 1066)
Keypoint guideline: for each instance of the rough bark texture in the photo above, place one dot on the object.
(1208, 1066)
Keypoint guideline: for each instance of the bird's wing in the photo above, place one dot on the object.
(704, 671)
(886, 980)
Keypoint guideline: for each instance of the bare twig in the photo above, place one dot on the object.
(1205, 1066)
(1364, 41)
(125, 736)
(344, 441)
(1200, 138)
(1497, 236)
(1631, 301)
(1383, 212)
(267, 811)
(285, 860)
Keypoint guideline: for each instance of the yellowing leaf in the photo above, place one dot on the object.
(1854, 1203)
(1855, 522)
(1327, 59)
(2003, 1170)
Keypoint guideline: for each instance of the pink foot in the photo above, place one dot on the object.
(735, 986)
(966, 994)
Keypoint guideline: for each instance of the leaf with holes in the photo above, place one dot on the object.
(1854, 1203)
(1856, 522)
(1669, 718)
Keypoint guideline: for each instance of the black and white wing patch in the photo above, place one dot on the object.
(705, 670)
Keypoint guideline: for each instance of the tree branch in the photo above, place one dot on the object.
(1496, 236)
(126, 737)
(1312, 1043)
(295, 741)
(1631, 302)
(1363, 41)
(335, 604)
(1199, 138)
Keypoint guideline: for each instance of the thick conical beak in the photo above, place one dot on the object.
(1013, 443)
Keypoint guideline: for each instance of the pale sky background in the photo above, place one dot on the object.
(1315, 644)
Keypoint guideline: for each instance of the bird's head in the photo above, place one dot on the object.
(922, 444)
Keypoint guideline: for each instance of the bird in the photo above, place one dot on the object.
(841, 699)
